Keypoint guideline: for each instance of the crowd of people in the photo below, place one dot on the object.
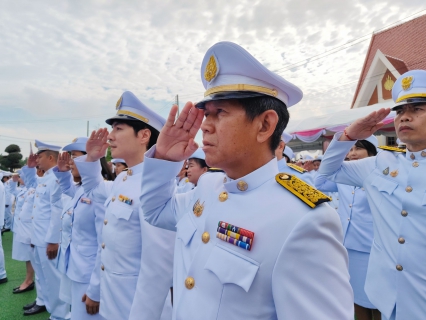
(235, 229)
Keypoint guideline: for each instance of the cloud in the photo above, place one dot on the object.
(75, 58)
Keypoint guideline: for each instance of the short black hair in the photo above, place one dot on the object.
(137, 126)
(201, 162)
(255, 106)
(367, 145)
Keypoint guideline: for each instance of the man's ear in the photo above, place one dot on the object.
(144, 135)
(268, 121)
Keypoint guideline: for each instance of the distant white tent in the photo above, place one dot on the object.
(311, 129)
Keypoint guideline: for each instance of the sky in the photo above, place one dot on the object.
(66, 63)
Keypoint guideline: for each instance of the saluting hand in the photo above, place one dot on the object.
(176, 139)
(31, 161)
(63, 162)
(365, 127)
(92, 307)
(97, 145)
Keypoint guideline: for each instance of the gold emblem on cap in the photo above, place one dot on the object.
(386, 171)
(242, 185)
(211, 69)
(74, 141)
(117, 105)
(35, 144)
(389, 83)
(394, 173)
(198, 208)
(406, 82)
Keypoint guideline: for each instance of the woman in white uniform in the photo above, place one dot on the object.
(21, 249)
(83, 246)
(357, 223)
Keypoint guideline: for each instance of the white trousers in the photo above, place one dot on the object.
(78, 310)
(2, 267)
(50, 280)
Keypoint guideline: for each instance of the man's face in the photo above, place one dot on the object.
(228, 135)
(43, 161)
(410, 123)
(316, 164)
(194, 171)
(123, 141)
(119, 167)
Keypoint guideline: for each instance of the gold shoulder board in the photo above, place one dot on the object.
(392, 149)
(215, 170)
(308, 194)
(297, 168)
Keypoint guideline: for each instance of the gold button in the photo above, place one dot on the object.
(34, 206)
(129, 172)
(60, 229)
(350, 206)
(125, 178)
(353, 192)
(404, 213)
(205, 237)
(102, 267)
(242, 185)
(408, 189)
(399, 267)
(105, 221)
(401, 240)
(349, 219)
(103, 245)
(412, 156)
(224, 180)
(223, 196)
(113, 199)
(415, 164)
(189, 283)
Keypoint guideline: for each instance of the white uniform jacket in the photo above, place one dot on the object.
(395, 184)
(47, 207)
(83, 258)
(355, 214)
(296, 269)
(136, 258)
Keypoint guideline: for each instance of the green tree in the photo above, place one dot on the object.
(108, 156)
(12, 160)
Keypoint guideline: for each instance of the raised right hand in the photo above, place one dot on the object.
(365, 127)
(176, 139)
(31, 162)
(63, 162)
(97, 145)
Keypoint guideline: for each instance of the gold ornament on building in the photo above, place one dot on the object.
(389, 83)
(406, 82)
(211, 69)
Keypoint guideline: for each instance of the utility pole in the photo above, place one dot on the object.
(177, 103)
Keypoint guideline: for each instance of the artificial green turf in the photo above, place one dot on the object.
(11, 304)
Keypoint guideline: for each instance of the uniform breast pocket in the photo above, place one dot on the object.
(383, 184)
(41, 190)
(120, 210)
(424, 200)
(87, 251)
(231, 267)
